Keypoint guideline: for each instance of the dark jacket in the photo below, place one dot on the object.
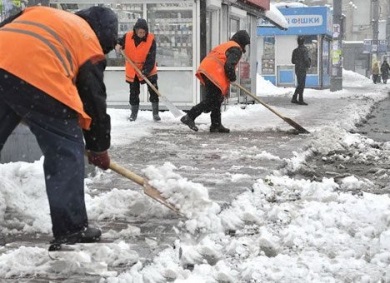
(233, 54)
(151, 57)
(300, 58)
(385, 68)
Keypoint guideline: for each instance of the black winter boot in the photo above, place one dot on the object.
(134, 112)
(87, 235)
(156, 117)
(189, 122)
(294, 99)
(218, 128)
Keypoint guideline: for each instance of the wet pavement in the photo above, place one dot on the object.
(212, 159)
(377, 125)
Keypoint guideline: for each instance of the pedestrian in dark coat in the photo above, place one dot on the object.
(215, 72)
(56, 87)
(301, 60)
(385, 68)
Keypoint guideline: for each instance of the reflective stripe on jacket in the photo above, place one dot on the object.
(138, 55)
(213, 66)
(46, 47)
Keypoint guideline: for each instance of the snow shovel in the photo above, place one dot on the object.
(174, 110)
(148, 189)
(287, 120)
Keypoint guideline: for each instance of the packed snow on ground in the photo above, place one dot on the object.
(283, 230)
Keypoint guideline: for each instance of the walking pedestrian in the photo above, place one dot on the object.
(385, 68)
(55, 86)
(215, 72)
(301, 60)
(140, 47)
(375, 72)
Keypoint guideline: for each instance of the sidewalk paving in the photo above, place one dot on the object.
(260, 144)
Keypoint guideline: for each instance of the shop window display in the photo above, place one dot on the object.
(311, 42)
(172, 26)
(268, 58)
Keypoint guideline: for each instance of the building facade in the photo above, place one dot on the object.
(185, 31)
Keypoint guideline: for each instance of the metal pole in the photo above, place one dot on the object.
(336, 80)
(203, 39)
(375, 26)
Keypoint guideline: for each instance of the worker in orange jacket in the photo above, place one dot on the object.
(215, 72)
(55, 86)
(140, 47)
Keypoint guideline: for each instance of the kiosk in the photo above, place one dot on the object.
(276, 46)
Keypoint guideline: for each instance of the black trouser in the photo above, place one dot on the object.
(376, 78)
(135, 90)
(301, 80)
(212, 103)
(60, 138)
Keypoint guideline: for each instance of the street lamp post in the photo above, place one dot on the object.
(375, 26)
(336, 80)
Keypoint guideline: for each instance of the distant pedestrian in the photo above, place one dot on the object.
(215, 72)
(56, 87)
(301, 60)
(140, 47)
(385, 68)
(375, 72)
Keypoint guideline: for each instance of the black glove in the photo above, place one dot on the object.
(145, 73)
(232, 78)
(99, 159)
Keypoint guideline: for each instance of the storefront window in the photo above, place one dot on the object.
(172, 26)
(128, 14)
(325, 57)
(311, 42)
(234, 26)
(268, 58)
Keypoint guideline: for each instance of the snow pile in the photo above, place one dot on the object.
(22, 191)
(192, 199)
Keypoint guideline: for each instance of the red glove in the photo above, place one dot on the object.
(99, 159)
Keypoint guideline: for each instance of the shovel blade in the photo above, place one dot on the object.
(172, 108)
(296, 125)
(155, 194)
(148, 189)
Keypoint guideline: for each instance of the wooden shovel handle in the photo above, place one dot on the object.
(127, 173)
(257, 99)
(140, 73)
(148, 189)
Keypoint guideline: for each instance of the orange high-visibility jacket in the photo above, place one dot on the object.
(213, 66)
(46, 47)
(138, 55)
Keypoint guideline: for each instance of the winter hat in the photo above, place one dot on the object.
(141, 24)
(301, 40)
(242, 38)
(104, 23)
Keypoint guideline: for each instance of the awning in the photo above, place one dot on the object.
(276, 17)
(262, 4)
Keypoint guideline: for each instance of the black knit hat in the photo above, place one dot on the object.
(141, 24)
(301, 40)
(242, 38)
(104, 23)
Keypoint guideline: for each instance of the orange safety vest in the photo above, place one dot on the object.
(46, 47)
(138, 55)
(213, 66)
